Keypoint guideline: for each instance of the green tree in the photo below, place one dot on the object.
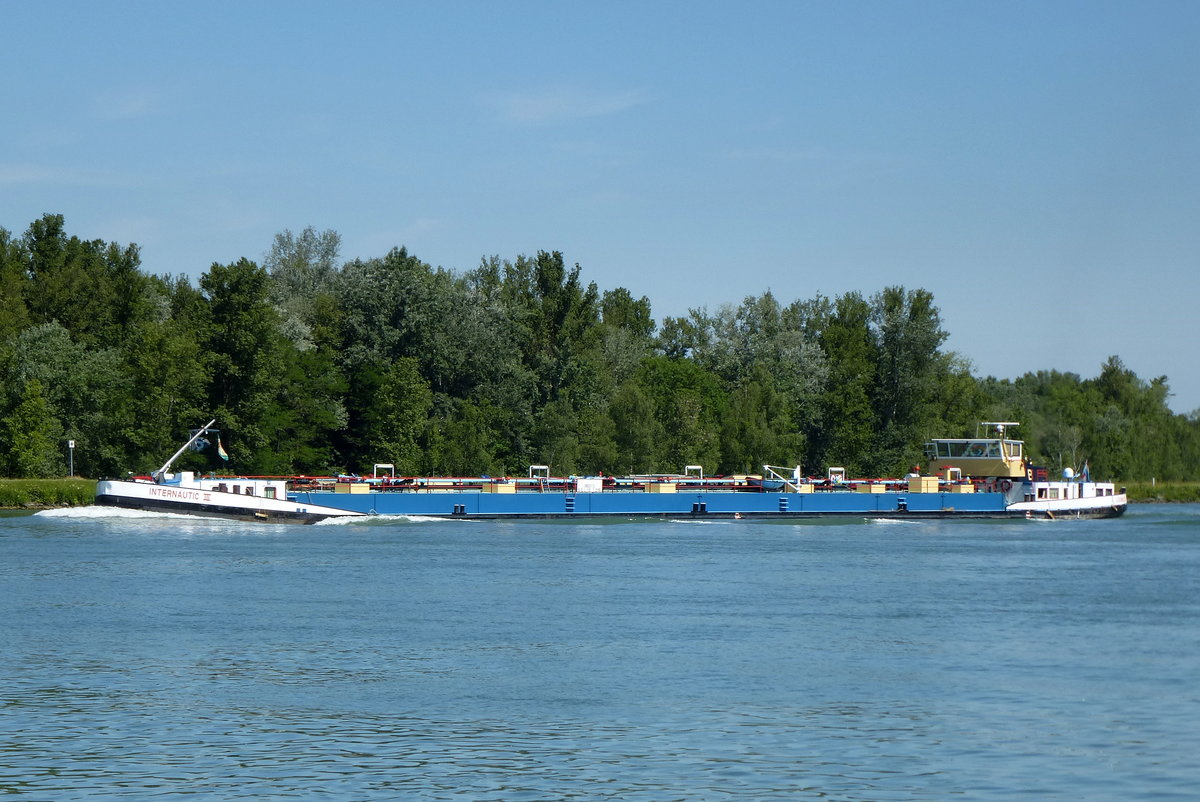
(302, 420)
(756, 431)
(556, 438)
(14, 286)
(618, 309)
(909, 335)
(688, 403)
(163, 362)
(393, 412)
(598, 451)
(32, 436)
(86, 388)
(627, 335)
(303, 270)
(763, 355)
(636, 429)
(555, 319)
(847, 438)
(95, 290)
(246, 360)
(463, 441)
(682, 337)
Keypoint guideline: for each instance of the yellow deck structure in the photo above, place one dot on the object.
(990, 454)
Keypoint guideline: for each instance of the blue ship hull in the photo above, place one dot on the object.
(469, 504)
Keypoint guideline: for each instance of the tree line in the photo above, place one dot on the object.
(312, 365)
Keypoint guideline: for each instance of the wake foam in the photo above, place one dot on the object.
(378, 520)
(96, 511)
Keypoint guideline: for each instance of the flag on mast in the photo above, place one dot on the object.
(221, 450)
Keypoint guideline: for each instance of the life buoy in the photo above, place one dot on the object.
(1005, 486)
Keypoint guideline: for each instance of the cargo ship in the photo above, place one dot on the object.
(986, 476)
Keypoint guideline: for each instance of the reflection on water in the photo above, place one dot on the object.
(156, 657)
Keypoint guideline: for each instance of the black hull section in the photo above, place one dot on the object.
(211, 511)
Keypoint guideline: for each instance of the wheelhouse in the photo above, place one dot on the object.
(988, 454)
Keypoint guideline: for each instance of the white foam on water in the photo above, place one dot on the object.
(96, 511)
(369, 520)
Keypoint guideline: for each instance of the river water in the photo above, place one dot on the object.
(154, 657)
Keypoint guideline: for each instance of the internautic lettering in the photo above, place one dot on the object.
(170, 492)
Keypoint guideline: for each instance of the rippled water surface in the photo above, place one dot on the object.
(152, 656)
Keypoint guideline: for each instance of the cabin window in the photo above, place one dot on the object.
(249, 490)
(975, 448)
(237, 488)
(1014, 449)
(1041, 492)
(269, 492)
(222, 488)
(1053, 492)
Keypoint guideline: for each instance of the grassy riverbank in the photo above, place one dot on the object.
(1163, 491)
(42, 493)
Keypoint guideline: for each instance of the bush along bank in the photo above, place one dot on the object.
(43, 493)
(1184, 492)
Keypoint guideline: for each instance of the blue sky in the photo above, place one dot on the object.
(1034, 165)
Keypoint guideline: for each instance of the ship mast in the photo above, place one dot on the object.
(158, 475)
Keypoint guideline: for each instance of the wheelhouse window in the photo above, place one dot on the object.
(979, 449)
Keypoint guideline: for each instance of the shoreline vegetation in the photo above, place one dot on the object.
(44, 494)
(314, 365)
(1156, 492)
